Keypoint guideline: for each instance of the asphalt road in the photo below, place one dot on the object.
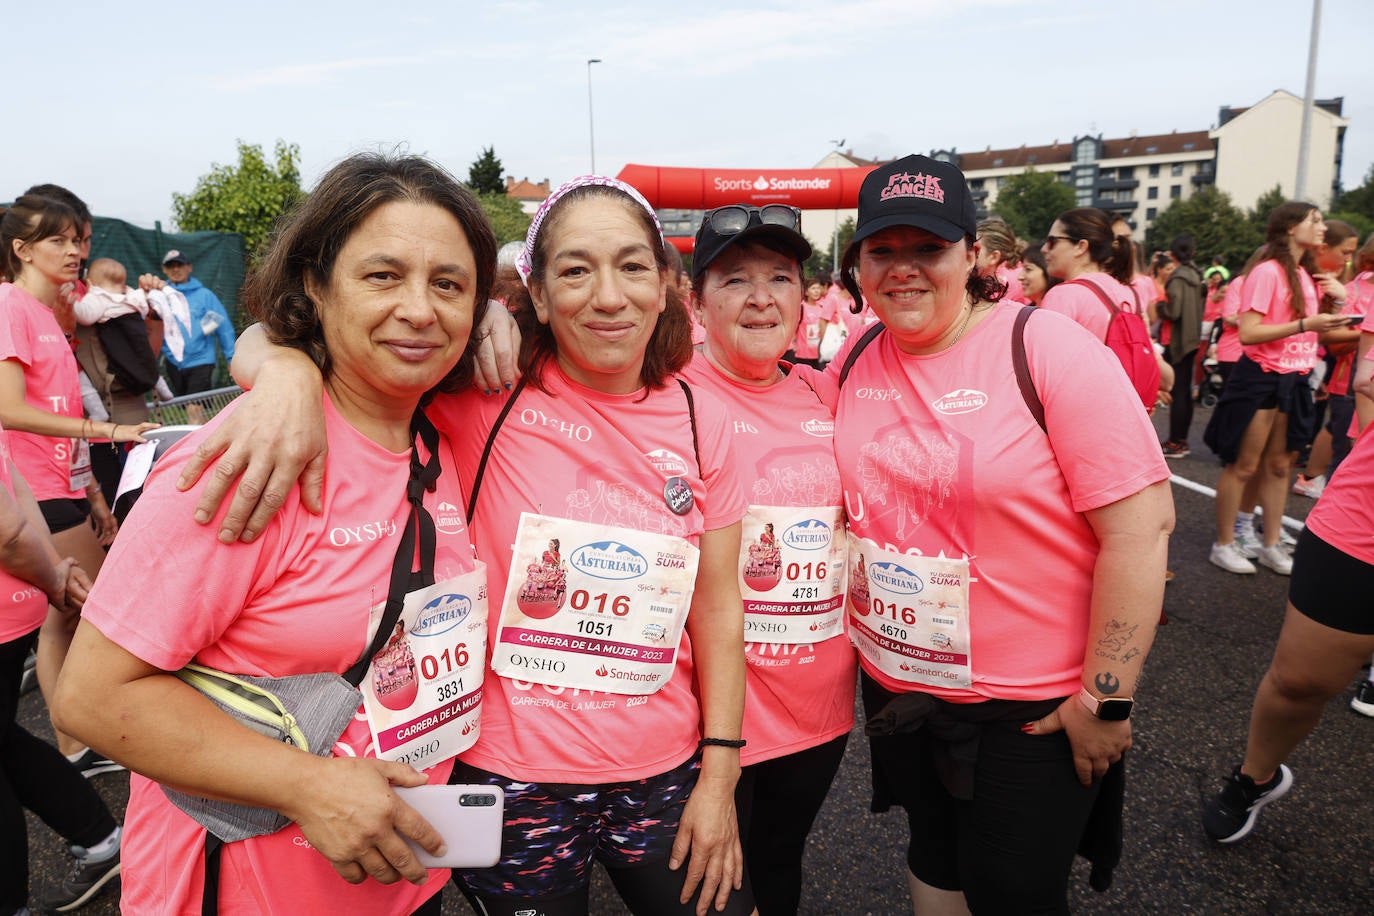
(1310, 853)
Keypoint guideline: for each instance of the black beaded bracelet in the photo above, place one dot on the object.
(721, 742)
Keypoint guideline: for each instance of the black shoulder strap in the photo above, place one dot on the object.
(486, 449)
(209, 895)
(692, 416)
(853, 355)
(1021, 365)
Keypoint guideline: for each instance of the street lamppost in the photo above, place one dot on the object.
(835, 237)
(591, 124)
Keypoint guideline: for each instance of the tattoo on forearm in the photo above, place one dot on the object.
(1106, 683)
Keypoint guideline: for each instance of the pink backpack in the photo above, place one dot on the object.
(1129, 339)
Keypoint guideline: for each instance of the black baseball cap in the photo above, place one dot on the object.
(777, 223)
(917, 191)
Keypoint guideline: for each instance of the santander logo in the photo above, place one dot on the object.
(761, 184)
(960, 400)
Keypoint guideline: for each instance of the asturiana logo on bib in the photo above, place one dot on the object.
(904, 184)
(442, 614)
(609, 560)
(821, 429)
(448, 518)
(894, 578)
(961, 400)
(812, 534)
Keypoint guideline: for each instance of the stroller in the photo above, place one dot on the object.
(1210, 380)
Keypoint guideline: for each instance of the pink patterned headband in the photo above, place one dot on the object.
(524, 261)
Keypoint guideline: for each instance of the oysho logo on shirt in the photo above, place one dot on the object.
(448, 518)
(50, 338)
(878, 394)
(961, 400)
(344, 535)
(821, 429)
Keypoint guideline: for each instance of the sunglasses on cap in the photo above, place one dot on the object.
(734, 219)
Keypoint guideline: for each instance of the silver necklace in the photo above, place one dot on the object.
(963, 327)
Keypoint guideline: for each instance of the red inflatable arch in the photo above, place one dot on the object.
(702, 189)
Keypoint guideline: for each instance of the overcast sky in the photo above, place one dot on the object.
(128, 102)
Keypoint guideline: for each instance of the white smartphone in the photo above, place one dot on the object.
(469, 818)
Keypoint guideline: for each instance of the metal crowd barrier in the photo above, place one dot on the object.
(192, 409)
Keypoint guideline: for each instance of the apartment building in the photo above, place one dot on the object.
(1250, 151)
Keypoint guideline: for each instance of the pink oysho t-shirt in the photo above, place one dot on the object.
(25, 605)
(1266, 291)
(30, 334)
(1011, 276)
(1145, 293)
(807, 343)
(797, 696)
(1344, 515)
(984, 483)
(295, 601)
(1079, 302)
(584, 455)
(1228, 345)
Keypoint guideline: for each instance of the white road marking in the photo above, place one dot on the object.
(1205, 490)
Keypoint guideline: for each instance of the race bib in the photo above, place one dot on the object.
(79, 475)
(791, 573)
(594, 607)
(908, 615)
(423, 692)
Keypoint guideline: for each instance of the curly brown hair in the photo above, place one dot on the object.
(307, 243)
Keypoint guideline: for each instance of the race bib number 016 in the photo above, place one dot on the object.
(423, 691)
(908, 615)
(594, 607)
(792, 573)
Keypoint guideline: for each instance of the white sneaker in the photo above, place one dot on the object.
(1311, 487)
(1246, 541)
(1230, 558)
(1277, 559)
(1286, 540)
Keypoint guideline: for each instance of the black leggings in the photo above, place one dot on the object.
(34, 775)
(778, 801)
(1181, 407)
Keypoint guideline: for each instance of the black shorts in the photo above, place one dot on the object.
(1011, 847)
(1332, 587)
(1249, 389)
(63, 514)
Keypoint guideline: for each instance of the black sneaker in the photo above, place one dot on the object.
(82, 883)
(1230, 815)
(92, 764)
(1174, 449)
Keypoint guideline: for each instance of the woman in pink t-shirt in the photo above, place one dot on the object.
(999, 254)
(995, 714)
(799, 699)
(375, 279)
(40, 403)
(1328, 633)
(1266, 412)
(1035, 278)
(1081, 250)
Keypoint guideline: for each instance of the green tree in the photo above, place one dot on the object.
(508, 220)
(485, 173)
(821, 263)
(1031, 201)
(1266, 203)
(1358, 200)
(1363, 225)
(247, 198)
(1217, 225)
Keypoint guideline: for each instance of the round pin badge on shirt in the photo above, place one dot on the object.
(677, 493)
